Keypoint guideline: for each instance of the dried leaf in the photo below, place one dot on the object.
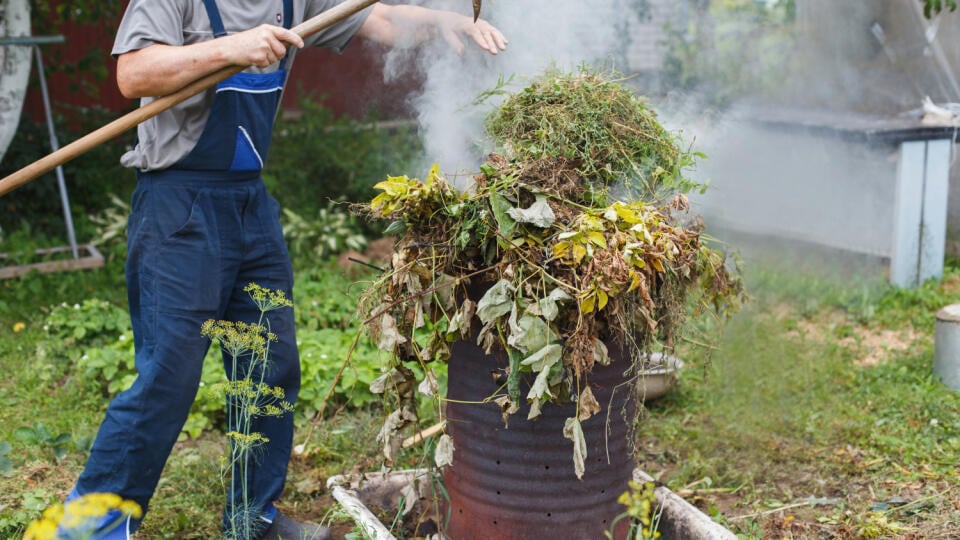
(443, 454)
(587, 405)
(389, 334)
(389, 434)
(389, 379)
(574, 431)
(507, 408)
(429, 385)
(534, 409)
(600, 354)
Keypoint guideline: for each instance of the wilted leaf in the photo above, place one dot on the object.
(443, 454)
(574, 431)
(548, 306)
(600, 354)
(429, 385)
(390, 435)
(501, 212)
(541, 362)
(389, 334)
(497, 301)
(539, 214)
(507, 408)
(389, 379)
(530, 333)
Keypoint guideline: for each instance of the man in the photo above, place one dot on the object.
(202, 226)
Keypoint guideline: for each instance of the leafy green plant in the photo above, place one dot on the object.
(40, 435)
(316, 156)
(15, 519)
(5, 464)
(322, 353)
(332, 231)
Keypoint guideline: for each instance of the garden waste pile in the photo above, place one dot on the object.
(576, 234)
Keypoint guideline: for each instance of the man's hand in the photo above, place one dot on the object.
(484, 34)
(260, 46)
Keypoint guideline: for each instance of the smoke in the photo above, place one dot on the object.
(542, 34)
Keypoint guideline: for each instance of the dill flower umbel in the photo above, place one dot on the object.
(81, 515)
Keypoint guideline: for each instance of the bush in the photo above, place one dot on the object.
(316, 157)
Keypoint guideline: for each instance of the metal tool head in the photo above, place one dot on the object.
(476, 9)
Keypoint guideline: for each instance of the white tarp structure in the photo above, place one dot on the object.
(14, 67)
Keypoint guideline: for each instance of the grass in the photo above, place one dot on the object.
(788, 432)
(816, 415)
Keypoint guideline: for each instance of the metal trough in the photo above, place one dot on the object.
(358, 493)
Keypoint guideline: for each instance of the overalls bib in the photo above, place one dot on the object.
(198, 233)
(237, 136)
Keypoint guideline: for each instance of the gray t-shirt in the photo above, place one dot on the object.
(169, 136)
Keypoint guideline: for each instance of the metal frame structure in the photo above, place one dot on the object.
(92, 258)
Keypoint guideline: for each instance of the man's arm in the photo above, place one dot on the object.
(406, 26)
(160, 69)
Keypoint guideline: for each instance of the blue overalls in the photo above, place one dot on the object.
(198, 233)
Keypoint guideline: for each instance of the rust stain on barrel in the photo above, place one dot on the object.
(518, 481)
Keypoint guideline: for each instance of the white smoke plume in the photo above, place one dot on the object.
(542, 34)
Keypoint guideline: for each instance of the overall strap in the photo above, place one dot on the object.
(214, 15)
(288, 14)
(288, 24)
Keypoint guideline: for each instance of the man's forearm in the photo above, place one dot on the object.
(406, 26)
(401, 25)
(159, 70)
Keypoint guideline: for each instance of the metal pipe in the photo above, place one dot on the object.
(54, 146)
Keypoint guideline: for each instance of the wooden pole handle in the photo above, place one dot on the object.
(132, 119)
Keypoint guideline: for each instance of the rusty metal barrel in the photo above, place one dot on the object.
(518, 481)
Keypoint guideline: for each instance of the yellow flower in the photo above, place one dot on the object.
(78, 514)
(19, 327)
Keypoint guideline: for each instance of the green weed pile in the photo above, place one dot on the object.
(609, 134)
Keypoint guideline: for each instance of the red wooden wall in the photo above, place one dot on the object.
(349, 83)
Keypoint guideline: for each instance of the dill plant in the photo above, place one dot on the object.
(248, 347)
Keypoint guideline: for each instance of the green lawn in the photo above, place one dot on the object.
(813, 414)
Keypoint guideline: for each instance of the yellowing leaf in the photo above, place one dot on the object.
(657, 265)
(579, 252)
(598, 238)
(587, 303)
